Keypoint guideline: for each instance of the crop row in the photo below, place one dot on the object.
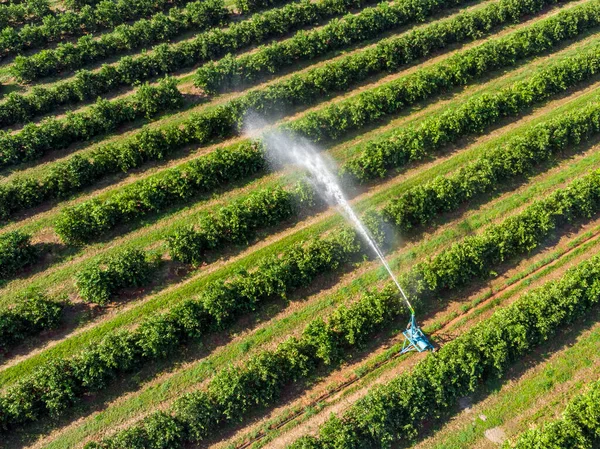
(16, 253)
(97, 366)
(106, 14)
(579, 426)
(29, 316)
(237, 223)
(197, 16)
(35, 140)
(90, 219)
(243, 6)
(409, 144)
(13, 14)
(259, 381)
(333, 121)
(221, 122)
(412, 143)
(394, 413)
(203, 48)
(458, 70)
(212, 44)
(388, 54)
(421, 204)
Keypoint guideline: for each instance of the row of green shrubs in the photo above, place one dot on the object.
(35, 140)
(197, 16)
(221, 302)
(14, 14)
(243, 6)
(91, 219)
(368, 106)
(420, 204)
(458, 70)
(55, 27)
(209, 45)
(378, 157)
(388, 54)
(238, 222)
(236, 390)
(579, 426)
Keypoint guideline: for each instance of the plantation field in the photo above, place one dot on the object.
(166, 283)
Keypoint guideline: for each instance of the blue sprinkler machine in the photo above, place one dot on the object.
(414, 338)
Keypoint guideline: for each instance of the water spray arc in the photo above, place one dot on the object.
(284, 149)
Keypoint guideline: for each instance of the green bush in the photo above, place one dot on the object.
(14, 14)
(99, 282)
(16, 253)
(29, 316)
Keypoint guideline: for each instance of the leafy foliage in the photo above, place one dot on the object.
(105, 14)
(13, 14)
(217, 306)
(29, 316)
(35, 140)
(167, 58)
(420, 204)
(16, 253)
(238, 222)
(225, 120)
(99, 282)
(90, 219)
(460, 69)
(413, 143)
(196, 16)
(388, 54)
